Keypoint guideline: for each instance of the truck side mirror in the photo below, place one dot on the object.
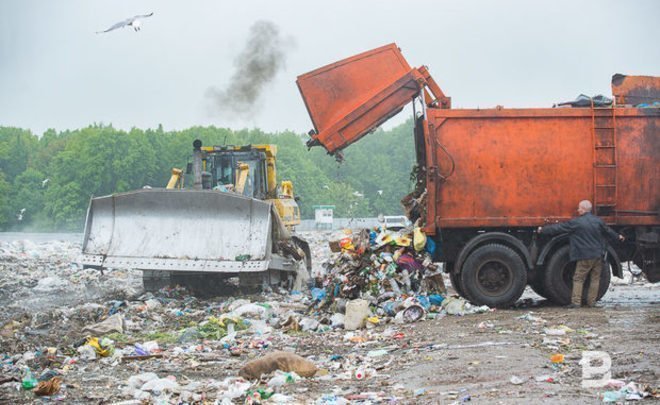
(296, 198)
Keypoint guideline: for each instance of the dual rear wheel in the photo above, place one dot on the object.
(558, 279)
(496, 275)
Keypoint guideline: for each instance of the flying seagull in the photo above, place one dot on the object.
(134, 22)
(19, 216)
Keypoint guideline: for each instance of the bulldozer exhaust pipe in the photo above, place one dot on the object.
(197, 164)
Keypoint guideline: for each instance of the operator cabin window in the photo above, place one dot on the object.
(224, 172)
(249, 184)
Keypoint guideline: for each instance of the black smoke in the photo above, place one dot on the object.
(255, 67)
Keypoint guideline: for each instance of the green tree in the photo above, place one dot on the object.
(5, 209)
(16, 148)
(101, 160)
(28, 194)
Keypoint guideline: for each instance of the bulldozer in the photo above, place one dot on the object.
(234, 224)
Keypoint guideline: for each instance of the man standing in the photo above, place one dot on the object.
(587, 247)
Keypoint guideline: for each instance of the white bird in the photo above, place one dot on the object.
(134, 22)
(358, 194)
(19, 216)
(44, 182)
(326, 187)
(380, 192)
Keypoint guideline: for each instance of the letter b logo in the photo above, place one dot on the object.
(595, 364)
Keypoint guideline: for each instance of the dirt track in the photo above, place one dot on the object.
(628, 332)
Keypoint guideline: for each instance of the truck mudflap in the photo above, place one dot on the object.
(178, 230)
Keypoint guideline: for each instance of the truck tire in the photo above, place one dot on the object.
(456, 282)
(559, 278)
(493, 275)
(454, 277)
(537, 283)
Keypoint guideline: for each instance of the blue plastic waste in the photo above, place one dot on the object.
(390, 307)
(318, 294)
(140, 351)
(337, 289)
(424, 302)
(655, 104)
(430, 245)
(372, 237)
(436, 299)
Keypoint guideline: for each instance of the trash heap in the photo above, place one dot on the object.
(391, 270)
(76, 336)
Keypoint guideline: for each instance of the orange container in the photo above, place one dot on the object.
(520, 167)
(350, 98)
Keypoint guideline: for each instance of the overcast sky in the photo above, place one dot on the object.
(55, 72)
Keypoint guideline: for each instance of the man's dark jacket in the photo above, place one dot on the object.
(586, 235)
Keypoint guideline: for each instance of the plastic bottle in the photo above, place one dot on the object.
(405, 276)
(364, 372)
(29, 381)
(277, 381)
(395, 287)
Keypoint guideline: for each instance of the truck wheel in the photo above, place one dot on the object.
(456, 282)
(537, 283)
(493, 275)
(559, 278)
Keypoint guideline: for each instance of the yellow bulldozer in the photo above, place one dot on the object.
(234, 222)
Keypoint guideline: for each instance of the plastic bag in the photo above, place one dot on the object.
(419, 239)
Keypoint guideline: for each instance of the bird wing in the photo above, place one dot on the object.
(142, 16)
(118, 25)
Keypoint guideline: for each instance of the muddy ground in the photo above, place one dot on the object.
(501, 356)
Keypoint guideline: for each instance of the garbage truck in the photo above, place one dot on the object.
(485, 179)
(233, 222)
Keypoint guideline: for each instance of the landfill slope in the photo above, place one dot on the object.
(107, 341)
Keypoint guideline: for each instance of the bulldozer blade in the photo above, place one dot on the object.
(178, 230)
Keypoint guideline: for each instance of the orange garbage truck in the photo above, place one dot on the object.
(487, 178)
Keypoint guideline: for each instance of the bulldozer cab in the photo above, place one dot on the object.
(226, 165)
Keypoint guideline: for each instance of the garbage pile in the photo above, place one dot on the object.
(381, 261)
(74, 335)
(391, 270)
(155, 348)
(69, 334)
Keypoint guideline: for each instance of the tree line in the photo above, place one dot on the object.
(46, 181)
